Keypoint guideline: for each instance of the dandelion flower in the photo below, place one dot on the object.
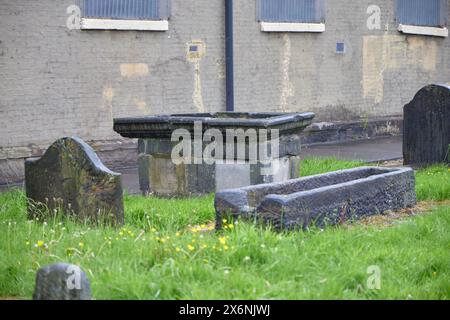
(40, 244)
(190, 247)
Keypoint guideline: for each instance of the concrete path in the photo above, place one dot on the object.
(368, 150)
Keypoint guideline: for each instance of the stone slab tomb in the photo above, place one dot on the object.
(61, 281)
(159, 174)
(71, 177)
(325, 199)
(426, 136)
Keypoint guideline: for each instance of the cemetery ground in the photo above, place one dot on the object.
(168, 249)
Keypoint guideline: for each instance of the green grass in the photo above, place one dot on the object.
(157, 256)
(314, 166)
(433, 183)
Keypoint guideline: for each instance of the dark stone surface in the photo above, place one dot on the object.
(163, 126)
(61, 282)
(426, 137)
(349, 131)
(322, 199)
(71, 177)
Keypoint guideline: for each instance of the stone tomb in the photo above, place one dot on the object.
(330, 198)
(71, 177)
(159, 173)
(426, 136)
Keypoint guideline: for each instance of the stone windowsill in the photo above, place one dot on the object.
(292, 27)
(421, 30)
(114, 24)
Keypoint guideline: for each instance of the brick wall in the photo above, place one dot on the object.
(56, 82)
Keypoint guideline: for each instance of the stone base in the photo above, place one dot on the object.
(159, 175)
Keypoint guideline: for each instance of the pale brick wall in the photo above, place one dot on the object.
(379, 73)
(55, 81)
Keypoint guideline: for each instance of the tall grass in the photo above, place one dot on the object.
(158, 254)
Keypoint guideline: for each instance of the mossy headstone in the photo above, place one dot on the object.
(61, 281)
(426, 133)
(70, 178)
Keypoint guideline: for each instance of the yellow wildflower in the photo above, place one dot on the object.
(190, 248)
(40, 244)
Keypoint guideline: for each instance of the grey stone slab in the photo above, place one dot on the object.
(71, 177)
(62, 281)
(144, 161)
(162, 126)
(232, 175)
(426, 138)
(201, 178)
(330, 198)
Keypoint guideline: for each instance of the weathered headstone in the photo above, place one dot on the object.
(426, 136)
(62, 282)
(71, 177)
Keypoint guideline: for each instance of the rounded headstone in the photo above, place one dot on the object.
(62, 281)
(426, 127)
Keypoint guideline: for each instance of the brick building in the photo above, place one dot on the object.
(68, 67)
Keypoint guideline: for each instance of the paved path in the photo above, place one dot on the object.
(367, 150)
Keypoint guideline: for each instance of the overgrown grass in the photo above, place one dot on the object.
(312, 166)
(433, 183)
(156, 255)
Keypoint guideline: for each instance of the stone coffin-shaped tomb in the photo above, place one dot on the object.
(71, 177)
(325, 199)
(159, 174)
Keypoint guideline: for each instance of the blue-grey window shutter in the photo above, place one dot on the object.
(303, 11)
(430, 13)
(126, 9)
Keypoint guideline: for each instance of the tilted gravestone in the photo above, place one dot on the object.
(71, 177)
(426, 133)
(61, 282)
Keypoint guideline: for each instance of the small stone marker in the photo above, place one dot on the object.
(426, 136)
(71, 177)
(61, 281)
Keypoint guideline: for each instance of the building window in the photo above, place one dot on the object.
(291, 15)
(125, 14)
(427, 17)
